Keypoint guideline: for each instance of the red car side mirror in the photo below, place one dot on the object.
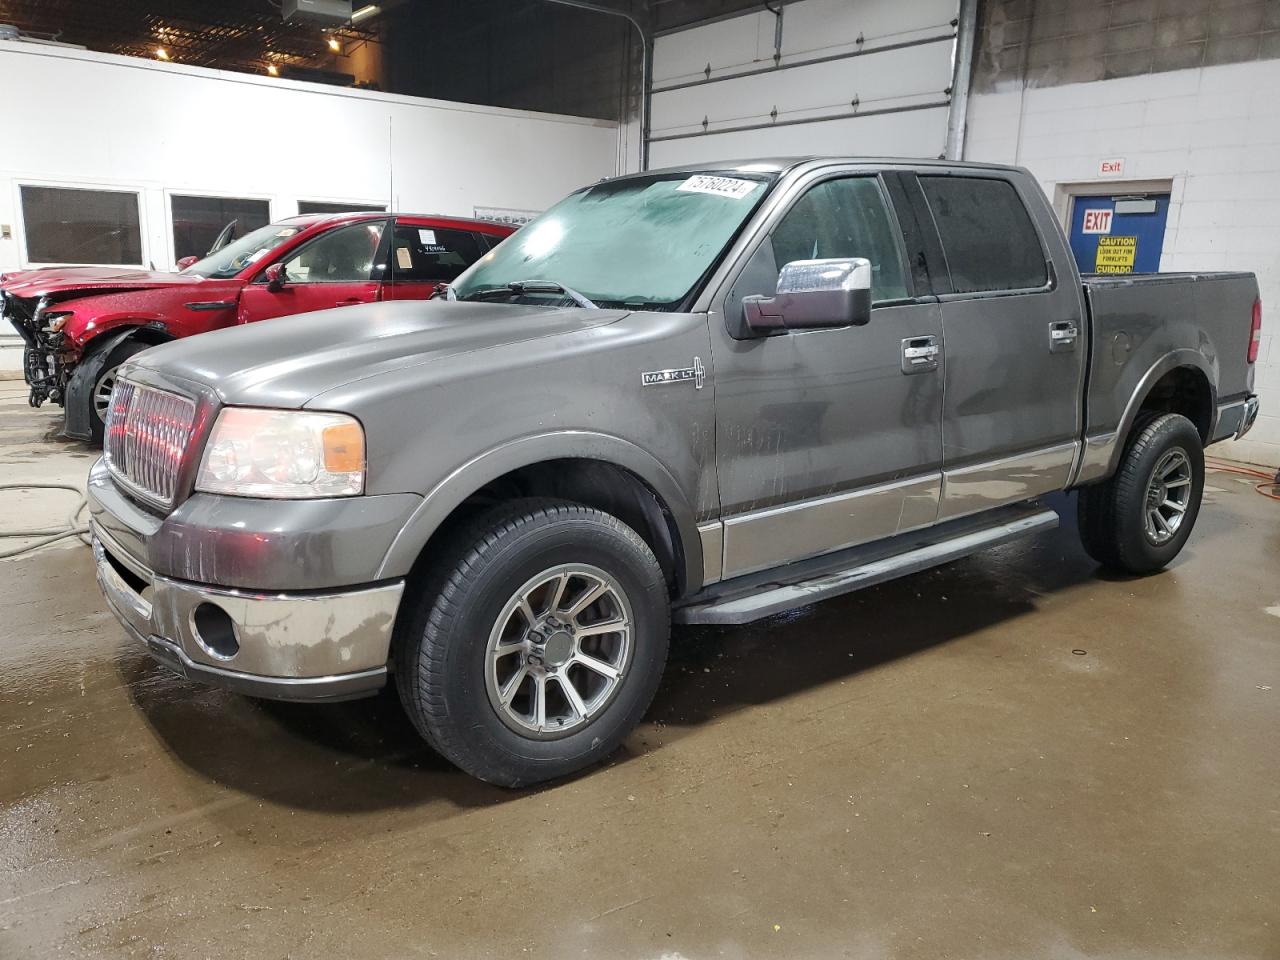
(277, 277)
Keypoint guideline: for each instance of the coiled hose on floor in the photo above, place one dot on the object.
(73, 527)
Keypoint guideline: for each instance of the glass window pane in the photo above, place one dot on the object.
(432, 255)
(988, 238)
(66, 225)
(323, 206)
(198, 221)
(344, 255)
(841, 219)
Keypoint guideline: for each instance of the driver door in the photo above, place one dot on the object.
(339, 268)
(828, 438)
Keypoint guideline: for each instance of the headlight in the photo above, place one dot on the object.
(287, 454)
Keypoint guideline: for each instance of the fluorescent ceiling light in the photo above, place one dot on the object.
(365, 12)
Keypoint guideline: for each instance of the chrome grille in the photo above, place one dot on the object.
(145, 439)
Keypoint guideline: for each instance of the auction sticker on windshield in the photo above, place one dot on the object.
(720, 186)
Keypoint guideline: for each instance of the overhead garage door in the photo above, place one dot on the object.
(820, 76)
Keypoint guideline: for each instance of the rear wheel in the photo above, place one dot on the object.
(537, 645)
(100, 396)
(1139, 520)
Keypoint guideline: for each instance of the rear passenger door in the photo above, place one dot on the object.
(1015, 340)
(423, 256)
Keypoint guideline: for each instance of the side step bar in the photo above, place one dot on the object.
(754, 596)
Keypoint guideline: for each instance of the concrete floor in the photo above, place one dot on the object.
(1009, 757)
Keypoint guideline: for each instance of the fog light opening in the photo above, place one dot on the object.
(215, 631)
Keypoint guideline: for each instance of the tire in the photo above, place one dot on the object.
(105, 380)
(1117, 518)
(469, 699)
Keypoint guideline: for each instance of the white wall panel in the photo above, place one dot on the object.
(889, 71)
(913, 134)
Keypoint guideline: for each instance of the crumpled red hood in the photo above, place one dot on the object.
(60, 280)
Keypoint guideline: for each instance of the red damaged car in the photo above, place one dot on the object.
(80, 323)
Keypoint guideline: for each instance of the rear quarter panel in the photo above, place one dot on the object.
(1141, 327)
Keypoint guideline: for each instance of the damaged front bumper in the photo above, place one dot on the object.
(42, 364)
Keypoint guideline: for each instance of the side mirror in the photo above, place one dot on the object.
(276, 276)
(186, 262)
(813, 294)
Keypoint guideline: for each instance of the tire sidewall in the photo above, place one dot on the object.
(1165, 434)
(471, 607)
(117, 357)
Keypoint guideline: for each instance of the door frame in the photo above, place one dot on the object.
(1064, 195)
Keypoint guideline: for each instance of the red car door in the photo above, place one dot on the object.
(344, 266)
(423, 256)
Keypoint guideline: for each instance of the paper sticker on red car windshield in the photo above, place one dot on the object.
(720, 186)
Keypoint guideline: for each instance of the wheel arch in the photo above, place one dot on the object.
(597, 470)
(93, 358)
(1179, 382)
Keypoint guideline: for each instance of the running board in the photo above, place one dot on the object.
(754, 596)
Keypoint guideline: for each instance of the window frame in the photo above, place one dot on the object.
(20, 220)
(945, 291)
(762, 233)
(380, 256)
(171, 249)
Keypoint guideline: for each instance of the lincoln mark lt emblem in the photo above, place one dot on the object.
(697, 373)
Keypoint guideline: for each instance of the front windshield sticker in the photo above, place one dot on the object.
(720, 186)
(287, 232)
(256, 255)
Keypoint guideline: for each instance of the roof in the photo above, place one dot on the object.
(778, 165)
(353, 216)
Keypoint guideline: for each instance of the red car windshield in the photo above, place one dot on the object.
(250, 248)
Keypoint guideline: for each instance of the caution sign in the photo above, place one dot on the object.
(1115, 254)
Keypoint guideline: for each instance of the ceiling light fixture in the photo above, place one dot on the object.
(334, 45)
(273, 70)
(365, 12)
(162, 53)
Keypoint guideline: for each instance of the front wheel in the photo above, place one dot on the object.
(537, 645)
(1139, 520)
(100, 396)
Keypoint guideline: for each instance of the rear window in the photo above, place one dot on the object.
(986, 233)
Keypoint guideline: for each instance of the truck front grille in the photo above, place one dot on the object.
(146, 436)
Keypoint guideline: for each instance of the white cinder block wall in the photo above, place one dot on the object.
(1213, 131)
(81, 119)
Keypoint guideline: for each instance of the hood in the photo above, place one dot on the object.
(287, 361)
(58, 281)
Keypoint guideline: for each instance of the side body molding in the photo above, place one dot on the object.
(449, 493)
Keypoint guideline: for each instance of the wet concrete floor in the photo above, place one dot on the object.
(1009, 757)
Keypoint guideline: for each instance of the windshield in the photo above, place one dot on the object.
(639, 241)
(250, 248)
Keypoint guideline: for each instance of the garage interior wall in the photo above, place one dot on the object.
(1179, 92)
(88, 119)
(869, 78)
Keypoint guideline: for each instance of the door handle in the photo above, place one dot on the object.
(920, 354)
(1063, 335)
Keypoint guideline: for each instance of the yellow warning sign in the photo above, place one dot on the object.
(1115, 254)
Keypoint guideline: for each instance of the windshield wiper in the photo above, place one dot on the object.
(521, 287)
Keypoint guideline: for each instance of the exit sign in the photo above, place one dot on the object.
(1111, 168)
(1096, 221)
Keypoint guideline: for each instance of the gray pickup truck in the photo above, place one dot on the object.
(701, 395)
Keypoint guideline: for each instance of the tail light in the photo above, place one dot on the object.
(1255, 332)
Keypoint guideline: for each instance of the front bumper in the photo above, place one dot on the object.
(287, 646)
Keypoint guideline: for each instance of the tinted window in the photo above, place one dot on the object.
(345, 255)
(987, 235)
(81, 226)
(844, 218)
(323, 206)
(432, 255)
(197, 221)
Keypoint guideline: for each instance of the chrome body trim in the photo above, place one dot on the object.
(763, 595)
(1095, 458)
(712, 537)
(315, 642)
(777, 535)
(1007, 480)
